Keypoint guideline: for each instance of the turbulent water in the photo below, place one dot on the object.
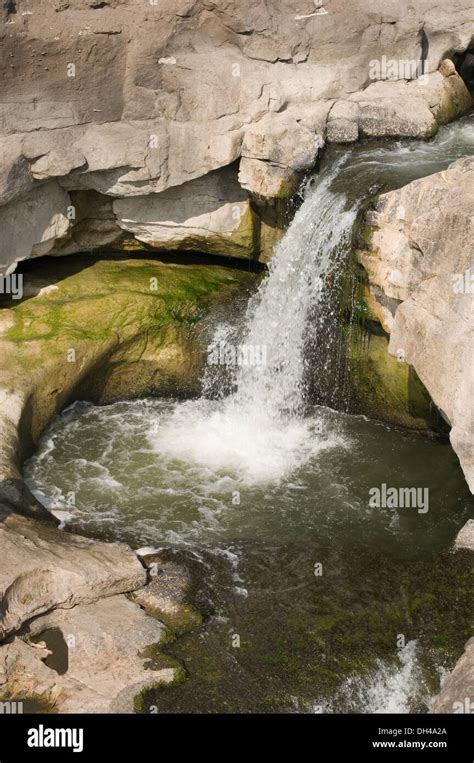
(259, 486)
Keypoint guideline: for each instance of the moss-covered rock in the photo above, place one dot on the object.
(455, 98)
(167, 595)
(384, 387)
(101, 330)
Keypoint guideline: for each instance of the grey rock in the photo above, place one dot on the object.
(56, 163)
(211, 214)
(433, 324)
(30, 226)
(155, 96)
(44, 568)
(465, 537)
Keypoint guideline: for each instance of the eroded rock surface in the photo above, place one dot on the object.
(70, 641)
(99, 330)
(91, 659)
(44, 568)
(166, 595)
(214, 208)
(420, 259)
(131, 100)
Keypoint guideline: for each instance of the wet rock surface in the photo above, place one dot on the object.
(423, 271)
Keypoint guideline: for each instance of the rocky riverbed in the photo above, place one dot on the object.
(129, 129)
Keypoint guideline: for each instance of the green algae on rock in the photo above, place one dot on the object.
(101, 330)
(387, 388)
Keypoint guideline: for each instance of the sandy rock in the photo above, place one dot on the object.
(403, 116)
(447, 67)
(165, 595)
(343, 122)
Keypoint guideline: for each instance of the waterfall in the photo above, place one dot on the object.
(258, 427)
(294, 293)
(259, 432)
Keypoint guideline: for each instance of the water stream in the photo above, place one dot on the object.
(320, 602)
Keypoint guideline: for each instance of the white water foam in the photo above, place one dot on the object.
(394, 687)
(259, 432)
(229, 438)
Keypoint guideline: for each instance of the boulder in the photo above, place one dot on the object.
(44, 568)
(457, 692)
(412, 108)
(93, 658)
(275, 153)
(465, 537)
(211, 214)
(165, 596)
(426, 276)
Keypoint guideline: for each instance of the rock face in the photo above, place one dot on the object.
(465, 537)
(458, 691)
(76, 643)
(43, 569)
(99, 330)
(90, 659)
(214, 208)
(425, 277)
(149, 103)
(383, 388)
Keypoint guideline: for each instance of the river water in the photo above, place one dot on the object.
(318, 601)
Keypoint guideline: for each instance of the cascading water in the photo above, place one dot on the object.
(259, 486)
(259, 431)
(277, 319)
